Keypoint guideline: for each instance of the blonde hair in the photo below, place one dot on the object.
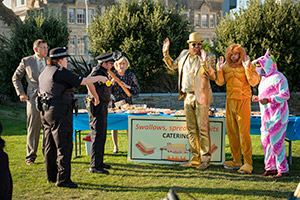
(116, 64)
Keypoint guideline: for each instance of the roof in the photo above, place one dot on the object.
(7, 15)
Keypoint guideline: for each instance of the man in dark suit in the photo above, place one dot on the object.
(31, 67)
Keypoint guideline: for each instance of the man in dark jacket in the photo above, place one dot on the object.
(5, 176)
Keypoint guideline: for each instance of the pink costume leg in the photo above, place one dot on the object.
(277, 136)
(270, 163)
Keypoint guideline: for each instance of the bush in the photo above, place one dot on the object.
(138, 29)
(83, 69)
(52, 29)
(262, 26)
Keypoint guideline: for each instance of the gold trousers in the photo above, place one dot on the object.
(197, 121)
(238, 113)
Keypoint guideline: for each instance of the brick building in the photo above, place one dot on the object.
(202, 14)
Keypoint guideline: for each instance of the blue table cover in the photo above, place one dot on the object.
(120, 122)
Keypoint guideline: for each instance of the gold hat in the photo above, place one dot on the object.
(195, 37)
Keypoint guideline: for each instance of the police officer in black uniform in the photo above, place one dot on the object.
(56, 90)
(100, 93)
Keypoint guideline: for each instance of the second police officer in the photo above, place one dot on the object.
(56, 88)
(98, 118)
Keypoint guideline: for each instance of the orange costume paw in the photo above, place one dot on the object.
(245, 169)
(232, 165)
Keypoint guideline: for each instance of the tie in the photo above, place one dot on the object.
(41, 64)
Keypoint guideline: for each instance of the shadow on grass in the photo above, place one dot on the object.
(214, 172)
(190, 190)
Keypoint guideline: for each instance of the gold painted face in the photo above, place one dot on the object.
(195, 47)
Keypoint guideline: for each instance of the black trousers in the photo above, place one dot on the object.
(58, 130)
(98, 128)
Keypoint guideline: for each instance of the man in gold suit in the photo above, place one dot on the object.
(196, 69)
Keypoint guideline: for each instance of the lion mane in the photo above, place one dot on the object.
(232, 49)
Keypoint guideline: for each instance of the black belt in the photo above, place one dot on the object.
(102, 103)
(61, 101)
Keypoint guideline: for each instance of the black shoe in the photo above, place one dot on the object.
(99, 171)
(51, 181)
(106, 166)
(68, 184)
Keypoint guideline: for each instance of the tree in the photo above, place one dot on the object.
(52, 29)
(263, 26)
(138, 29)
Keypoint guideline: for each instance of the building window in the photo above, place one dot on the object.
(20, 3)
(80, 16)
(81, 49)
(91, 15)
(198, 20)
(71, 16)
(72, 45)
(204, 20)
(211, 21)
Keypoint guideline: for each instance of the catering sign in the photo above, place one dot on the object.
(164, 140)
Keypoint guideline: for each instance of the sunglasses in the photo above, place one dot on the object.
(196, 44)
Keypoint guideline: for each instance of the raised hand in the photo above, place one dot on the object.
(166, 45)
(220, 63)
(203, 55)
(246, 62)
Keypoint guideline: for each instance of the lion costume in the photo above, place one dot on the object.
(238, 107)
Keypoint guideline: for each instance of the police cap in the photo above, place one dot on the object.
(58, 52)
(105, 57)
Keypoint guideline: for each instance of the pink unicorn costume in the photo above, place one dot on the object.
(274, 114)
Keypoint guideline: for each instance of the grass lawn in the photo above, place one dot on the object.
(129, 180)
